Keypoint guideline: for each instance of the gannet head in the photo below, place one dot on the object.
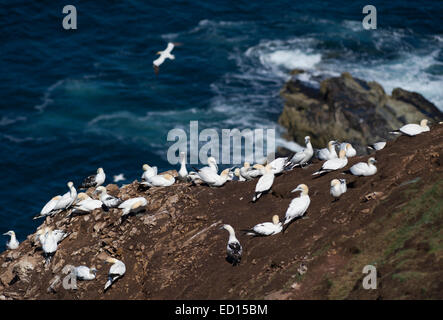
(342, 154)
(82, 196)
(70, 184)
(146, 167)
(307, 139)
(275, 219)
(228, 228)
(159, 52)
(303, 188)
(111, 260)
(237, 172)
(224, 172)
(348, 146)
(259, 166)
(100, 190)
(100, 170)
(246, 165)
(168, 176)
(331, 144)
(211, 160)
(335, 182)
(372, 161)
(93, 271)
(9, 233)
(424, 123)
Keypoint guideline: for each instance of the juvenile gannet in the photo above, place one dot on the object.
(264, 184)
(413, 129)
(377, 146)
(148, 172)
(183, 172)
(329, 152)
(133, 205)
(212, 179)
(94, 180)
(266, 228)
(278, 165)
(234, 248)
(47, 209)
(364, 168)
(116, 271)
(350, 151)
(238, 175)
(108, 200)
(302, 157)
(13, 242)
(334, 164)
(119, 177)
(165, 54)
(299, 205)
(338, 187)
(85, 273)
(87, 204)
(161, 180)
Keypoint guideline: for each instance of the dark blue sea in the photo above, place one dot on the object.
(75, 100)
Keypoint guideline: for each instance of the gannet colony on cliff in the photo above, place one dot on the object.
(97, 198)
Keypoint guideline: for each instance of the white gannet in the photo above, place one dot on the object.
(161, 180)
(329, 152)
(212, 179)
(212, 165)
(183, 172)
(249, 173)
(87, 204)
(108, 200)
(350, 151)
(165, 54)
(59, 235)
(65, 201)
(238, 175)
(148, 172)
(303, 156)
(278, 165)
(266, 228)
(338, 187)
(85, 273)
(94, 180)
(209, 169)
(299, 205)
(234, 248)
(264, 184)
(133, 205)
(334, 164)
(47, 209)
(377, 146)
(413, 129)
(119, 177)
(13, 242)
(116, 271)
(364, 168)
(49, 245)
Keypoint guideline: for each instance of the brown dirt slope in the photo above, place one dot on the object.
(176, 251)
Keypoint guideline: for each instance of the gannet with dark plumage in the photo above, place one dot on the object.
(350, 151)
(304, 156)
(364, 168)
(85, 273)
(94, 180)
(334, 164)
(264, 184)
(12, 243)
(329, 152)
(165, 54)
(61, 204)
(299, 205)
(116, 271)
(266, 228)
(413, 129)
(108, 200)
(233, 249)
(338, 187)
(148, 172)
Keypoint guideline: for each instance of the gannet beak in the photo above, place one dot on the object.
(6, 234)
(297, 189)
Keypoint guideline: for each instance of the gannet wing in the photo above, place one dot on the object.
(169, 47)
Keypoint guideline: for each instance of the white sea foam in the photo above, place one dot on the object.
(46, 99)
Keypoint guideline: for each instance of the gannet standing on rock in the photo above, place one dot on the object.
(62, 203)
(165, 54)
(364, 168)
(210, 168)
(94, 180)
(49, 245)
(329, 152)
(304, 156)
(334, 164)
(108, 200)
(161, 180)
(377, 146)
(116, 271)
(413, 129)
(148, 172)
(133, 205)
(183, 172)
(234, 249)
(13, 243)
(85, 273)
(266, 228)
(299, 205)
(47, 209)
(338, 187)
(264, 184)
(350, 151)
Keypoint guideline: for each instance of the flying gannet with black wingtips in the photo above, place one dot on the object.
(334, 164)
(304, 156)
(364, 168)
(94, 180)
(165, 54)
(265, 228)
(233, 249)
(299, 205)
(338, 187)
(12, 243)
(117, 270)
(264, 184)
(412, 129)
(329, 152)
(108, 200)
